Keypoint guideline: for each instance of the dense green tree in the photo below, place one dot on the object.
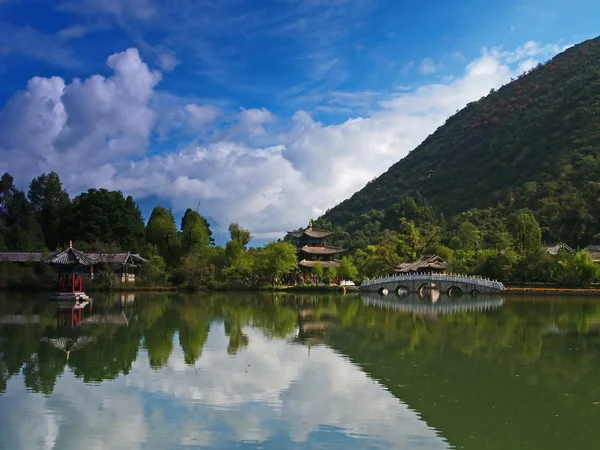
(348, 270)
(277, 259)
(20, 229)
(195, 231)
(317, 271)
(50, 203)
(578, 270)
(239, 234)
(528, 235)
(330, 274)
(99, 215)
(468, 237)
(162, 233)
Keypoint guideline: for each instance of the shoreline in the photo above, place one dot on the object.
(566, 292)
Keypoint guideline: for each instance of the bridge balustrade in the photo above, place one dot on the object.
(478, 281)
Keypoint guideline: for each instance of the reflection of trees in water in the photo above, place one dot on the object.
(515, 335)
(500, 378)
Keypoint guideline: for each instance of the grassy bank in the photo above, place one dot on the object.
(558, 291)
(279, 288)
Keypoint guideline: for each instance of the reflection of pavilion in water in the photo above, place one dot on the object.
(312, 323)
(75, 313)
(69, 345)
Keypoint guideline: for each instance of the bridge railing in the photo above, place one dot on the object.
(429, 277)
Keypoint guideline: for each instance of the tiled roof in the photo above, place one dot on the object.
(425, 262)
(316, 233)
(312, 250)
(324, 264)
(553, 249)
(311, 232)
(72, 256)
(21, 256)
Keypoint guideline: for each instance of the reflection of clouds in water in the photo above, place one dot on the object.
(24, 420)
(273, 381)
(272, 392)
(76, 416)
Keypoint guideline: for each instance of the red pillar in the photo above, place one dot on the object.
(72, 282)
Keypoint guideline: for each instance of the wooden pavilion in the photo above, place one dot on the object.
(73, 266)
(312, 249)
(425, 264)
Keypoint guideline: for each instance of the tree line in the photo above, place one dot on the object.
(45, 218)
(504, 243)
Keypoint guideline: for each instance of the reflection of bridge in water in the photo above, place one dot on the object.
(419, 305)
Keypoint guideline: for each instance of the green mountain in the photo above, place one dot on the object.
(533, 144)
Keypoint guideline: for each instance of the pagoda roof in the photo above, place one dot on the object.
(425, 262)
(311, 232)
(312, 250)
(324, 264)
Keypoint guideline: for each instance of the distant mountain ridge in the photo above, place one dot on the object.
(530, 140)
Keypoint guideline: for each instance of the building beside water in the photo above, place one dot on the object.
(312, 249)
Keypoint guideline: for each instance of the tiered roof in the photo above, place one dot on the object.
(424, 263)
(311, 232)
(324, 264)
(325, 250)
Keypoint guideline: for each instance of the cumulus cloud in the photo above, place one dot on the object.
(253, 120)
(81, 127)
(267, 173)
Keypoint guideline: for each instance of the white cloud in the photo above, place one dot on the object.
(80, 129)
(201, 115)
(166, 59)
(253, 120)
(427, 66)
(268, 176)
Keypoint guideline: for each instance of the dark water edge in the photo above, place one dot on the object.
(172, 370)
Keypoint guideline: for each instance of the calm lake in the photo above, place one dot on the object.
(167, 371)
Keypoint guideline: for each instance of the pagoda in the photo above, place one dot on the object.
(311, 248)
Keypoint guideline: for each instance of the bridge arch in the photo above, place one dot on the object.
(475, 291)
(427, 285)
(402, 290)
(454, 291)
(383, 291)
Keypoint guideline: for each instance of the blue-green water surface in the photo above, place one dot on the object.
(167, 371)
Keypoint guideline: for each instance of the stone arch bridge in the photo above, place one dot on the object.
(446, 283)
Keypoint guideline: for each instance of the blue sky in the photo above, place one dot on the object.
(265, 112)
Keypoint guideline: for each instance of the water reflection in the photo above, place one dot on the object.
(164, 371)
(433, 303)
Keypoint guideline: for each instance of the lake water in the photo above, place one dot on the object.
(165, 371)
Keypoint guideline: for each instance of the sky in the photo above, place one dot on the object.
(265, 113)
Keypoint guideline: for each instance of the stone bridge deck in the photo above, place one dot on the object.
(447, 283)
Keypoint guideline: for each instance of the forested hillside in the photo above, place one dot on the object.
(533, 145)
